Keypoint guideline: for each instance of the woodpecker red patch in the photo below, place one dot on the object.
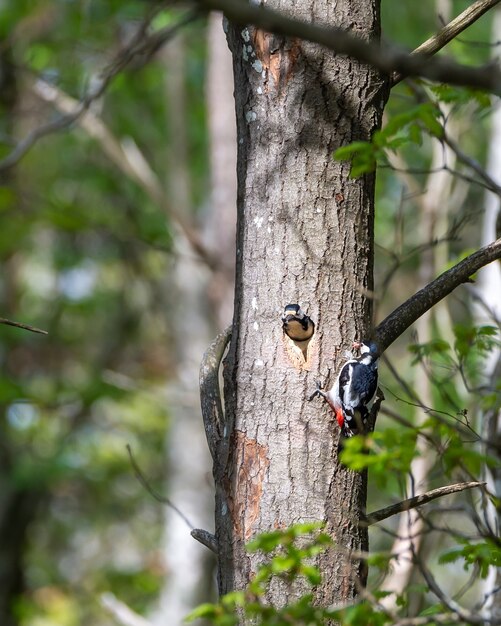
(340, 416)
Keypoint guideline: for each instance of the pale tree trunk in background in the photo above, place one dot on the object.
(304, 234)
(488, 290)
(203, 310)
(433, 224)
(221, 225)
(188, 480)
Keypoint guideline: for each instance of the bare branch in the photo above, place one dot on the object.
(210, 393)
(407, 313)
(451, 30)
(141, 45)
(388, 59)
(464, 614)
(129, 159)
(20, 325)
(159, 498)
(121, 612)
(424, 498)
(205, 538)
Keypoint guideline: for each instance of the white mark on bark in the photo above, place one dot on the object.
(259, 363)
(258, 221)
(245, 56)
(269, 229)
(254, 303)
(246, 35)
(257, 65)
(259, 90)
(251, 116)
(224, 509)
(256, 326)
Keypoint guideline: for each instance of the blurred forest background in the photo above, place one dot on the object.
(117, 235)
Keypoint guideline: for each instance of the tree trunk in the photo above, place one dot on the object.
(488, 311)
(304, 234)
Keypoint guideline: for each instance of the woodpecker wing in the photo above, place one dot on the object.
(363, 385)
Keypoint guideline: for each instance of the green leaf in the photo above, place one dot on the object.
(312, 574)
(207, 610)
(483, 554)
(345, 153)
(267, 542)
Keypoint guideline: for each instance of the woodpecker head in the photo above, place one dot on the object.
(368, 350)
(297, 326)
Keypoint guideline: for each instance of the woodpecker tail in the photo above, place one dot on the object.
(354, 422)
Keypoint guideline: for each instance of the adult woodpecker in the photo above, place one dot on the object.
(296, 324)
(353, 392)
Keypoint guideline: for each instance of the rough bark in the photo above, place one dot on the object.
(304, 234)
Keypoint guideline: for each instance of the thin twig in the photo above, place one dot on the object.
(141, 45)
(121, 612)
(127, 156)
(24, 326)
(424, 498)
(158, 497)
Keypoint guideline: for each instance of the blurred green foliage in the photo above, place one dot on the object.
(87, 255)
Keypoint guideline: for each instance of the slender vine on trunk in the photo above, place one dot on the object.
(304, 234)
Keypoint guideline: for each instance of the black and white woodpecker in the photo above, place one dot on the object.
(296, 324)
(353, 392)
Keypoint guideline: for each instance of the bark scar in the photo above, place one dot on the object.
(244, 493)
(278, 56)
(300, 353)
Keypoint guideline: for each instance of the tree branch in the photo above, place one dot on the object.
(407, 313)
(388, 59)
(159, 498)
(141, 45)
(121, 612)
(451, 30)
(412, 503)
(129, 159)
(210, 393)
(7, 322)
(206, 538)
